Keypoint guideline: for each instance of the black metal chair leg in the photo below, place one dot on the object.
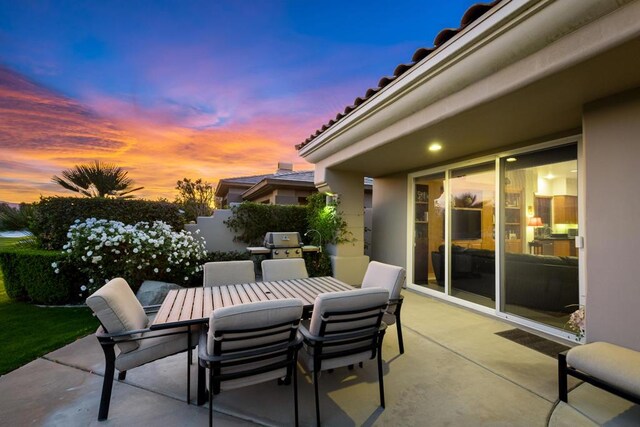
(295, 392)
(315, 386)
(189, 361)
(562, 377)
(400, 341)
(210, 399)
(380, 376)
(122, 375)
(399, 325)
(107, 385)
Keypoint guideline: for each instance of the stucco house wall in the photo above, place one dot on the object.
(612, 201)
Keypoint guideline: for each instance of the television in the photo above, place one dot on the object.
(466, 224)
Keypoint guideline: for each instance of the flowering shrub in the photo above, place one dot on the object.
(576, 323)
(105, 249)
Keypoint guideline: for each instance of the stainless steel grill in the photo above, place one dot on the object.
(284, 244)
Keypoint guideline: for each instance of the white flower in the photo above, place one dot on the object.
(54, 264)
(186, 278)
(153, 256)
(139, 267)
(155, 270)
(57, 270)
(89, 253)
(83, 287)
(90, 280)
(168, 269)
(136, 250)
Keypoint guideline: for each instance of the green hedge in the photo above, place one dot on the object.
(29, 276)
(251, 221)
(53, 216)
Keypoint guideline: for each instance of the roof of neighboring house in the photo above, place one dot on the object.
(473, 13)
(259, 183)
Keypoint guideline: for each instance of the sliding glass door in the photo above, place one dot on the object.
(472, 240)
(456, 216)
(540, 193)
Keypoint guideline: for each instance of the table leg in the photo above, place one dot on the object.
(202, 385)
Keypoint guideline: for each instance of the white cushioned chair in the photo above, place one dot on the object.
(124, 324)
(251, 343)
(345, 328)
(228, 273)
(284, 269)
(391, 278)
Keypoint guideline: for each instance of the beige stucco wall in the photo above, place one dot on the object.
(612, 200)
(389, 222)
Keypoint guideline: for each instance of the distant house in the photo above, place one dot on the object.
(284, 187)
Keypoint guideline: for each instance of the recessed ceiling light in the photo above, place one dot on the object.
(574, 170)
(550, 176)
(435, 147)
(511, 159)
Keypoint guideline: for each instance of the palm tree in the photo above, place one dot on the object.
(97, 180)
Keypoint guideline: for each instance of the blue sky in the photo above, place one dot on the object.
(224, 88)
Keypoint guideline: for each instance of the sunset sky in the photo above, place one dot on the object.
(198, 89)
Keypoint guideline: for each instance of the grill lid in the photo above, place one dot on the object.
(286, 239)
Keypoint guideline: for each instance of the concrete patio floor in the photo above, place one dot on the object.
(455, 371)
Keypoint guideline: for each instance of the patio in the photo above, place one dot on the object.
(455, 371)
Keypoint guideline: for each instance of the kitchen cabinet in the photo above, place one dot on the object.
(565, 209)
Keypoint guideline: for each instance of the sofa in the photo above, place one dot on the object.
(541, 282)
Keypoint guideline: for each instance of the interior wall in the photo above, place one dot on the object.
(612, 201)
(389, 222)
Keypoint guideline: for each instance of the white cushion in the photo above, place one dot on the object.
(610, 363)
(284, 269)
(228, 273)
(118, 310)
(336, 302)
(386, 276)
(250, 316)
(151, 349)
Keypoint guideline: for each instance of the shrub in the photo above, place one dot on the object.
(251, 221)
(104, 249)
(28, 276)
(15, 218)
(53, 216)
(327, 220)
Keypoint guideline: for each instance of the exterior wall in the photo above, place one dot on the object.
(216, 234)
(611, 130)
(389, 223)
(235, 195)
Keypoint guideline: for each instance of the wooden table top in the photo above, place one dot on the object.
(194, 305)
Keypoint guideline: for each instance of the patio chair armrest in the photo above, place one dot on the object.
(397, 300)
(104, 334)
(151, 308)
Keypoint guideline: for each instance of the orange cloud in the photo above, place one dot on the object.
(42, 133)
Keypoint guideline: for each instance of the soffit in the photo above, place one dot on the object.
(548, 107)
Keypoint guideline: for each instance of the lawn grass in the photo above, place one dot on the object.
(28, 332)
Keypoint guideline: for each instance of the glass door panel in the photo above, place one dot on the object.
(429, 208)
(540, 217)
(472, 265)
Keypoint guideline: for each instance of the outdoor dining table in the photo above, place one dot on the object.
(193, 306)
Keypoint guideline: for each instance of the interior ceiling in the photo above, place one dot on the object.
(551, 106)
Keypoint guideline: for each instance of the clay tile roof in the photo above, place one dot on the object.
(473, 12)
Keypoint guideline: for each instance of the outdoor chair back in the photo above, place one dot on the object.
(228, 273)
(252, 343)
(284, 269)
(346, 328)
(391, 278)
